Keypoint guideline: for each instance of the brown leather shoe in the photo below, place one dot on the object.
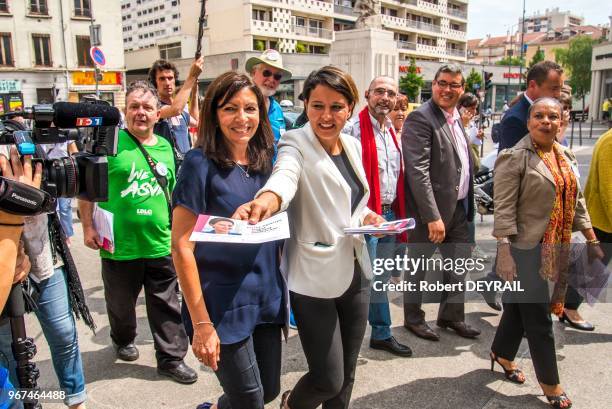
(460, 327)
(422, 330)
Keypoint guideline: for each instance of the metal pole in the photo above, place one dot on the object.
(591, 130)
(522, 45)
(96, 70)
(580, 132)
(572, 136)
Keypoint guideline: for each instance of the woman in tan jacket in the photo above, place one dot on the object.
(538, 203)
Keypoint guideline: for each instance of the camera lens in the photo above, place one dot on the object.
(62, 176)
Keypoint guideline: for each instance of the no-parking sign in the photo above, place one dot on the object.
(97, 55)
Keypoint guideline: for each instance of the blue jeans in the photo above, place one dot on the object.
(64, 205)
(388, 246)
(59, 327)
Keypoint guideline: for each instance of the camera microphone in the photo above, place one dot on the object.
(78, 115)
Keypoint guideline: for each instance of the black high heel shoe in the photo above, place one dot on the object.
(513, 375)
(559, 401)
(583, 326)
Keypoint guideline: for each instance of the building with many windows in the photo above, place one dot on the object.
(44, 51)
(549, 20)
(303, 30)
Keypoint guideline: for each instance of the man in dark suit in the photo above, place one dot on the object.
(439, 196)
(544, 79)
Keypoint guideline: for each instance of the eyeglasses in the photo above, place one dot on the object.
(267, 73)
(379, 92)
(452, 85)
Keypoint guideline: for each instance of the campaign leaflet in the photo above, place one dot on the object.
(220, 229)
(392, 227)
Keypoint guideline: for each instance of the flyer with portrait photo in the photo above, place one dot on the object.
(209, 228)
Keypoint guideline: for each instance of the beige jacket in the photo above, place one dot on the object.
(524, 195)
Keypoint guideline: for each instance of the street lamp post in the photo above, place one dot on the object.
(522, 47)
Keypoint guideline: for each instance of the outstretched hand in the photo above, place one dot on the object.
(259, 209)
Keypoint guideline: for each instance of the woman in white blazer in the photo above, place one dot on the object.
(319, 179)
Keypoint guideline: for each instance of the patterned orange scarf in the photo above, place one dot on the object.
(556, 240)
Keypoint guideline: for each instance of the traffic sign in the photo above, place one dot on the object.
(97, 56)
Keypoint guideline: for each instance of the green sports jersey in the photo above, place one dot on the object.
(140, 213)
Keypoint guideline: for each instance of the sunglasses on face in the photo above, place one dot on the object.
(267, 73)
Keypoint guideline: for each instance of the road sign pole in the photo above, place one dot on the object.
(96, 74)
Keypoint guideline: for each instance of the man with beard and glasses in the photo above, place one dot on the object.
(382, 161)
(440, 197)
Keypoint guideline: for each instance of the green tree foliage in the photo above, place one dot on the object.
(473, 78)
(411, 83)
(576, 59)
(537, 57)
(514, 61)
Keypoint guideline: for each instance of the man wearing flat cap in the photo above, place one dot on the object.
(267, 73)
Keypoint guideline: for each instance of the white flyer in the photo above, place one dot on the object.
(103, 223)
(392, 227)
(209, 228)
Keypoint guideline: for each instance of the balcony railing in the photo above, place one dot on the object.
(459, 35)
(455, 52)
(312, 32)
(402, 22)
(308, 5)
(82, 12)
(423, 26)
(348, 11)
(406, 45)
(457, 13)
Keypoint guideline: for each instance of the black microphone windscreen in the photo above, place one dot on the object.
(71, 115)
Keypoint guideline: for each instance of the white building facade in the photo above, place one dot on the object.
(550, 20)
(44, 52)
(303, 30)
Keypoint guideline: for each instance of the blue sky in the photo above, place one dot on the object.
(495, 17)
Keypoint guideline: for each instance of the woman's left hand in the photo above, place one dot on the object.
(376, 220)
(594, 252)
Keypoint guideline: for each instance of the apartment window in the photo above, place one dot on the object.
(316, 49)
(4, 6)
(170, 51)
(260, 15)
(82, 8)
(456, 27)
(315, 26)
(300, 21)
(82, 46)
(6, 49)
(38, 7)
(175, 16)
(42, 50)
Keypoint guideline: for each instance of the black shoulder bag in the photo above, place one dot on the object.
(159, 171)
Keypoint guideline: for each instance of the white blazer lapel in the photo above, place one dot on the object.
(349, 145)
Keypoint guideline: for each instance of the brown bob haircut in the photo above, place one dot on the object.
(214, 144)
(401, 102)
(334, 78)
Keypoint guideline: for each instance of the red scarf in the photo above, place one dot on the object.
(370, 164)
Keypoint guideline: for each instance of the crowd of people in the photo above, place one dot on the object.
(337, 168)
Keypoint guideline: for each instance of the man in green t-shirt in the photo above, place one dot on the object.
(138, 254)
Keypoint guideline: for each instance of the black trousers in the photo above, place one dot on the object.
(331, 331)
(573, 300)
(457, 244)
(123, 281)
(249, 370)
(528, 312)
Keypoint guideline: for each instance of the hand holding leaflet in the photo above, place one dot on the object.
(225, 230)
(103, 223)
(392, 227)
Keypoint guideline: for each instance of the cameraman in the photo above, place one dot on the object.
(12, 255)
(48, 277)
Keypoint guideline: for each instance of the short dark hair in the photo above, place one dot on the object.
(334, 78)
(145, 87)
(162, 65)
(468, 100)
(547, 100)
(210, 139)
(539, 72)
(450, 69)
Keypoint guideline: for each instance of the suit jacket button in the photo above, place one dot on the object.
(456, 187)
